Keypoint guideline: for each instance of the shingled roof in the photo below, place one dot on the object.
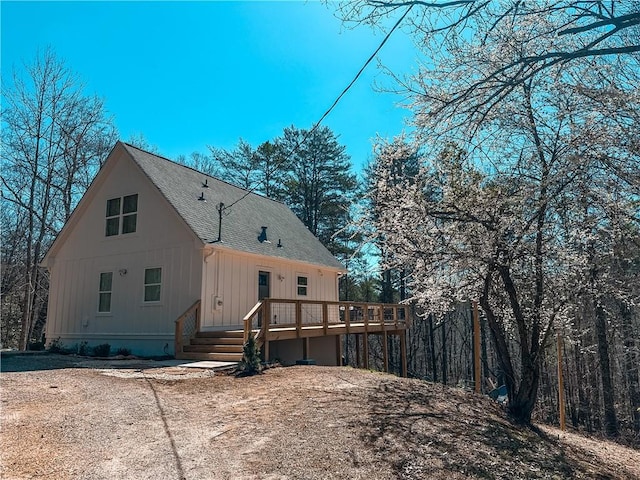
(241, 224)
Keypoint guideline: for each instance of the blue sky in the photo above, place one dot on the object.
(191, 74)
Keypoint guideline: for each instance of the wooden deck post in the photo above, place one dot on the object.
(365, 338)
(561, 406)
(357, 350)
(365, 351)
(339, 350)
(178, 339)
(305, 348)
(325, 318)
(403, 352)
(385, 352)
(476, 347)
(347, 317)
(298, 318)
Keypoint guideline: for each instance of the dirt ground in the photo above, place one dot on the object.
(75, 418)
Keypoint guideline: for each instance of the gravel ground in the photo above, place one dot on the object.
(75, 418)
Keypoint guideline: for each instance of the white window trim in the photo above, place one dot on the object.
(121, 216)
(298, 285)
(110, 312)
(144, 285)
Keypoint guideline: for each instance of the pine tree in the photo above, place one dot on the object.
(250, 364)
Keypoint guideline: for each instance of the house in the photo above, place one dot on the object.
(162, 259)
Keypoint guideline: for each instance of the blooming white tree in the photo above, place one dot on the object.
(530, 170)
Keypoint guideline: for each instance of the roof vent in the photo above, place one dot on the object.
(205, 184)
(201, 197)
(263, 236)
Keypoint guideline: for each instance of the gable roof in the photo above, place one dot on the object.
(241, 224)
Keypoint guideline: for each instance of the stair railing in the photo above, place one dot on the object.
(258, 312)
(187, 325)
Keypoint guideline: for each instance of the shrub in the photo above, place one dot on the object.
(102, 350)
(125, 352)
(250, 364)
(83, 348)
(35, 346)
(56, 346)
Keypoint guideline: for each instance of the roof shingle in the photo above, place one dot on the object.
(241, 224)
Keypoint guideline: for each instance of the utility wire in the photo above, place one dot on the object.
(317, 124)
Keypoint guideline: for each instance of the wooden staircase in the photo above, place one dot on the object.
(222, 346)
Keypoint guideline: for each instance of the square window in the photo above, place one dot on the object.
(130, 204)
(121, 216)
(113, 207)
(129, 223)
(106, 280)
(104, 306)
(152, 293)
(113, 226)
(152, 275)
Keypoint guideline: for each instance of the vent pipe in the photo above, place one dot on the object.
(263, 235)
(220, 210)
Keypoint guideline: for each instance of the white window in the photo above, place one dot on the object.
(303, 282)
(104, 292)
(122, 215)
(152, 284)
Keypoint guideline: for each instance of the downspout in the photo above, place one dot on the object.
(208, 252)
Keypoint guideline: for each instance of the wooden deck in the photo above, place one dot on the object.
(282, 319)
(272, 320)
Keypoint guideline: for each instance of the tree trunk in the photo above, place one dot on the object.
(432, 348)
(522, 403)
(610, 420)
(631, 365)
(444, 353)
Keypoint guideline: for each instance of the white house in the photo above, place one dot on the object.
(147, 240)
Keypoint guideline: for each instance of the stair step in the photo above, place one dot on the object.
(213, 348)
(221, 334)
(216, 357)
(217, 341)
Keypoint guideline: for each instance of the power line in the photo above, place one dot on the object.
(333, 105)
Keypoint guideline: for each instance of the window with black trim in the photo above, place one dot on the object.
(122, 215)
(152, 284)
(302, 285)
(104, 292)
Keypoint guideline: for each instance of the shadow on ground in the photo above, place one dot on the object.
(34, 361)
(430, 431)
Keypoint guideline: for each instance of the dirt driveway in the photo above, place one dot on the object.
(74, 418)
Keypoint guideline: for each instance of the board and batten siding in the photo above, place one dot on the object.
(161, 240)
(232, 279)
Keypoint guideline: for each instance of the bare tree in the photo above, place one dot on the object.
(551, 33)
(53, 140)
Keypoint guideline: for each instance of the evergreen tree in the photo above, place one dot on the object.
(319, 186)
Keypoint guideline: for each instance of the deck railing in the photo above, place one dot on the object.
(187, 325)
(272, 319)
